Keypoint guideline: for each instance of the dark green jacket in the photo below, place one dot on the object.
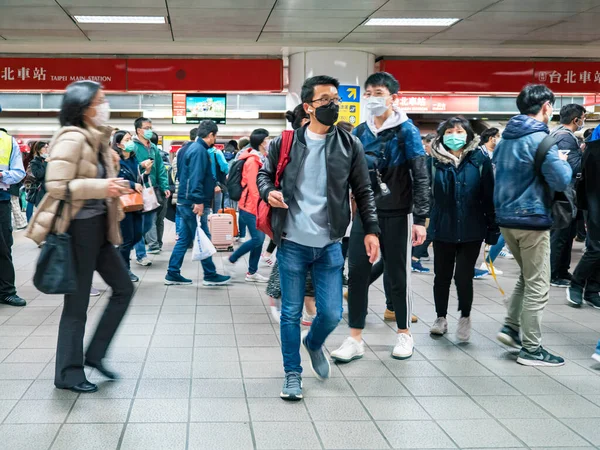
(158, 175)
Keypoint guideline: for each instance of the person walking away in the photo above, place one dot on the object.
(572, 119)
(248, 205)
(196, 188)
(35, 180)
(399, 178)
(144, 149)
(11, 173)
(81, 171)
(130, 169)
(154, 236)
(180, 152)
(220, 169)
(523, 211)
(462, 217)
(310, 216)
(585, 284)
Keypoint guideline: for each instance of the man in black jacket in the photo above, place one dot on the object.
(310, 216)
(586, 276)
(572, 119)
(399, 176)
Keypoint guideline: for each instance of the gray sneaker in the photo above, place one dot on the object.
(318, 361)
(292, 387)
(439, 327)
(575, 296)
(539, 357)
(463, 332)
(509, 337)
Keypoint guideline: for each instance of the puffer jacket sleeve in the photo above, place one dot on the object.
(62, 170)
(360, 183)
(417, 160)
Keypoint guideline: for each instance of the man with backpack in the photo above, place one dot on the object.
(572, 119)
(523, 203)
(309, 217)
(400, 179)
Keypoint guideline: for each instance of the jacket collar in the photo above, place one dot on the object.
(439, 152)
(398, 117)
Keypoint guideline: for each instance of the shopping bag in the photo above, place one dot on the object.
(149, 197)
(203, 248)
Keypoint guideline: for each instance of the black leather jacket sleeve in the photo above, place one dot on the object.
(266, 175)
(360, 183)
(487, 202)
(421, 189)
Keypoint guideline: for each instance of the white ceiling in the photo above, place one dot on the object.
(489, 28)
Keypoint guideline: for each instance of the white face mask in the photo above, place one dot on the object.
(377, 105)
(102, 114)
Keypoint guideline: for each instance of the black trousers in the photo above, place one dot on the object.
(458, 260)
(561, 245)
(131, 229)
(92, 252)
(377, 270)
(161, 213)
(421, 251)
(396, 247)
(587, 272)
(7, 270)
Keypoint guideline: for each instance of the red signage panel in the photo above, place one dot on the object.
(32, 74)
(443, 104)
(459, 76)
(206, 75)
(569, 76)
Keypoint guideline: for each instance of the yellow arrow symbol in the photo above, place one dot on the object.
(352, 93)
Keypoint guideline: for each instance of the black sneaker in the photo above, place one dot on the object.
(509, 337)
(13, 300)
(575, 296)
(175, 279)
(133, 277)
(592, 299)
(539, 357)
(560, 283)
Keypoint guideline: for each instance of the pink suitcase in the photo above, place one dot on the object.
(221, 231)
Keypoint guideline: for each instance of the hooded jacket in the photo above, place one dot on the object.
(396, 150)
(346, 169)
(249, 200)
(520, 197)
(463, 196)
(73, 162)
(589, 192)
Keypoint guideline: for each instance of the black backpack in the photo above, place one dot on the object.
(234, 180)
(563, 203)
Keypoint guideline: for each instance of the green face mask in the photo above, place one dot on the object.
(148, 134)
(455, 141)
(129, 146)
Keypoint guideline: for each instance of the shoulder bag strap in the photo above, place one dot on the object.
(287, 138)
(541, 152)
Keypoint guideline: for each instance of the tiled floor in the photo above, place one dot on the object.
(202, 370)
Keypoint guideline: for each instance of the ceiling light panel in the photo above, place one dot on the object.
(120, 19)
(411, 22)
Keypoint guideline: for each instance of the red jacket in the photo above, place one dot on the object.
(250, 195)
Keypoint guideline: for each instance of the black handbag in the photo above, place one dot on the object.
(55, 270)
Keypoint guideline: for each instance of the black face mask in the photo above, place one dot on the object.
(327, 114)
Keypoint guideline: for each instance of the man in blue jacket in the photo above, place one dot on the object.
(196, 189)
(523, 211)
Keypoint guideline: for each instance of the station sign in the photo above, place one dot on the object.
(350, 106)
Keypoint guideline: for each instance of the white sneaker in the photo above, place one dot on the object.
(276, 309)
(229, 267)
(350, 350)
(439, 327)
(463, 332)
(496, 270)
(256, 278)
(596, 357)
(404, 346)
(144, 261)
(307, 319)
(505, 253)
(268, 260)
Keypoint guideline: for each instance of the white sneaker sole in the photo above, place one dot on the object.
(596, 357)
(507, 340)
(571, 301)
(252, 280)
(346, 360)
(142, 264)
(215, 283)
(178, 283)
(400, 357)
(291, 398)
(537, 363)
(438, 332)
(560, 285)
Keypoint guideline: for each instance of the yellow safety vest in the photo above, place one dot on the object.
(6, 146)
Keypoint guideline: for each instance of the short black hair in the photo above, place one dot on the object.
(77, 99)
(193, 134)
(257, 137)
(532, 98)
(383, 79)
(451, 123)
(587, 133)
(487, 134)
(296, 116)
(429, 137)
(139, 122)
(308, 88)
(154, 138)
(570, 112)
(345, 126)
(206, 127)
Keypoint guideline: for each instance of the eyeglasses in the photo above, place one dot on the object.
(327, 101)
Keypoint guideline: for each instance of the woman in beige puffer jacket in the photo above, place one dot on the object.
(81, 170)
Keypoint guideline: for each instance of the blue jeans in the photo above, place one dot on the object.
(295, 261)
(177, 222)
(187, 233)
(598, 348)
(140, 247)
(29, 211)
(253, 246)
(131, 230)
(495, 250)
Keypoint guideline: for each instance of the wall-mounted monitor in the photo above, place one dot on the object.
(194, 108)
